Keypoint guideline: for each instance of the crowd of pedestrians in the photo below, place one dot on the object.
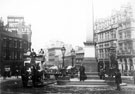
(37, 76)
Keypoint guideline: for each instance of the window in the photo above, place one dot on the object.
(120, 35)
(129, 46)
(10, 42)
(125, 47)
(108, 36)
(12, 55)
(111, 34)
(120, 47)
(51, 59)
(15, 43)
(128, 34)
(114, 34)
(51, 54)
(20, 44)
(21, 55)
(100, 46)
(7, 54)
(18, 55)
(4, 54)
(25, 46)
(15, 53)
(4, 42)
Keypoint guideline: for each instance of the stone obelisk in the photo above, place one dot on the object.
(89, 50)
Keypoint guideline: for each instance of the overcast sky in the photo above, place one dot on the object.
(63, 20)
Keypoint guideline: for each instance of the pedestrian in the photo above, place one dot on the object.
(82, 73)
(4, 74)
(134, 76)
(102, 74)
(34, 75)
(33, 55)
(118, 79)
(24, 76)
(16, 71)
(41, 52)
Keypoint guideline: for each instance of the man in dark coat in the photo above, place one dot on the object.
(134, 76)
(102, 74)
(118, 79)
(82, 73)
(24, 76)
(33, 55)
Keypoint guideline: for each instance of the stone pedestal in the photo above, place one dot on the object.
(90, 64)
(89, 61)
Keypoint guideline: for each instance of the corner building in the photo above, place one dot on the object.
(12, 47)
(117, 31)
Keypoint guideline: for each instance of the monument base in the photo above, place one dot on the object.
(91, 69)
(89, 61)
(90, 64)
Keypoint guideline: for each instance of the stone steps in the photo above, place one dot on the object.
(87, 82)
(91, 73)
(92, 77)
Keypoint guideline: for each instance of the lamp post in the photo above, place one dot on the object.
(72, 55)
(63, 50)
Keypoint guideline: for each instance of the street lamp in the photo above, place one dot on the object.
(73, 55)
(63, 50)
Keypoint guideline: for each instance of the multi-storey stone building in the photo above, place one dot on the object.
(12, 47)
(54, 56)
(116, 32)
(126, 42)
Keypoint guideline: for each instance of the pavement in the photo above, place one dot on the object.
(124, 85)
(96, 85)
(8, 78)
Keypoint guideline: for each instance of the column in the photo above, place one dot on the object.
(133, 60)
(128, 64)
(120, 64)
(123, 62)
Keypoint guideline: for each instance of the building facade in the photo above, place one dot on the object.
(54, 56)
(79, 57)
(12, 47)
(126, 42)
(116, 32)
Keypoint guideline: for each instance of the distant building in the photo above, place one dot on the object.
(79, 57)
(55, 54)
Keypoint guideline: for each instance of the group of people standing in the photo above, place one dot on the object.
(31, 73)
(118, 79)
(82, 74)
(35, 74)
